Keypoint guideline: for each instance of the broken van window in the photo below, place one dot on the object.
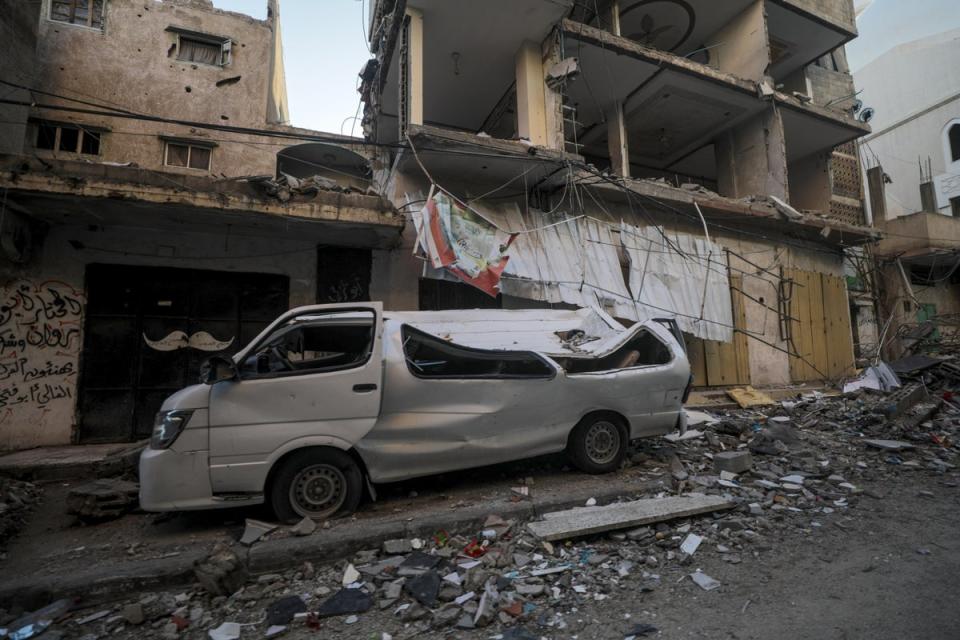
(430, 357)
(314, 343)
(644, 349)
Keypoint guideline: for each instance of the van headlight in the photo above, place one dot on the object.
(167, 426)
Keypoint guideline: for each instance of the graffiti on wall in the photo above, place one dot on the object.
(40, 341)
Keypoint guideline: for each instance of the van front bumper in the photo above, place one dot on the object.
(175, 481)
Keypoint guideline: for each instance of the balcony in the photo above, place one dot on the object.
(919, 237)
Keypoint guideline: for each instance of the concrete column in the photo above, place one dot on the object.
(531, 95)
(415, 66)
(877, 195)
(742, 46)
(617, 141)
(752, 158)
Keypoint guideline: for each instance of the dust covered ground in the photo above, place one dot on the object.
(830, 536)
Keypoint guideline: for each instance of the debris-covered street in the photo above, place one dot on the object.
(834, 516)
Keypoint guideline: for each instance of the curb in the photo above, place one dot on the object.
(106, 583)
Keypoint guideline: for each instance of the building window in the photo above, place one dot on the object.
(954, 136)
(202, 48)
(955, 206)
(66, 137)
(87, 13)
(188, 155)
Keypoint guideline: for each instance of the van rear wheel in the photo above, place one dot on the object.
(316, 483)
(598, 444)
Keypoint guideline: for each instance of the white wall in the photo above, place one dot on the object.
(915, 90)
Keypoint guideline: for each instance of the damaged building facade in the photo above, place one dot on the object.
(652, 157)
(144, 226)
(647, 159)
(911, 164)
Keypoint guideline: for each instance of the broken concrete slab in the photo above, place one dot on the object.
(304, 528)
(581, 522)
(704, 581)
(222, 573)
(889, 445)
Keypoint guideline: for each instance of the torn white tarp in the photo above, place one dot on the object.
(879, 377)
(686, 276)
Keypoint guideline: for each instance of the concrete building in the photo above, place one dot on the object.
(576, 128)
(141, 223)
(682, 158)
(912, 165)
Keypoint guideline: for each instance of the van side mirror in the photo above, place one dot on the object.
(217, 369)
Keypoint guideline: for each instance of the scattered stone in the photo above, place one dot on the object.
(221, 573)
(133, 613)
(304, 528)
(704, 581)
(732, 461)
(889, 445)
(226, 631)
(397, 547)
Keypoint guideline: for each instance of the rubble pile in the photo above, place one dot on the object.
(16, 499)
(798, 465)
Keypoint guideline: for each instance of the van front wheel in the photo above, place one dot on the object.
(317, 484)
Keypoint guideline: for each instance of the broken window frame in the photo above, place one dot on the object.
(73, 6)
(249, 369)
(190, 146)
(565, 363)
(409, 333)
(185, 35)
(85, 136)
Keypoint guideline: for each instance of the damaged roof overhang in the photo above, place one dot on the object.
(472, 160)
(675, 107)
(70, 192)
(469, 159)
(664, 202)
(803, 35)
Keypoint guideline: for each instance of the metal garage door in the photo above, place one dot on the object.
(147, 331)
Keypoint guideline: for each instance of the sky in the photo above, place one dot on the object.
(888, 23)
(325, 48)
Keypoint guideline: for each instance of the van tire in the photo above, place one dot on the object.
(598, 444)
(329, 478)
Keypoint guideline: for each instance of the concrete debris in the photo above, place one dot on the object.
(732, 461)
(304, 528)
(17, 499)
(226, 631)
(889, 445)
(715, 500)
(704, 581)
(581, 522)
(254, 530)
(221, 573)
(104, 499)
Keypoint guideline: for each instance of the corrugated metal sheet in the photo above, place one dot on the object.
(578, 261)
(692, 283)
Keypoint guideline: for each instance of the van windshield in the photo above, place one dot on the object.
(314, 343)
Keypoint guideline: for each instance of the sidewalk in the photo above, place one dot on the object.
(70, 462)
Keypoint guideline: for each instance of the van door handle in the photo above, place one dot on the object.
(364, 388)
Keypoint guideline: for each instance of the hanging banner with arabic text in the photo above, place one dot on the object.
(462, 242)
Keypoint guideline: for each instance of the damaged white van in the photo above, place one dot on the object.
(330, 399)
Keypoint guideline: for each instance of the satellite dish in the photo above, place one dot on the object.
(857, 106)
(867, 115)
